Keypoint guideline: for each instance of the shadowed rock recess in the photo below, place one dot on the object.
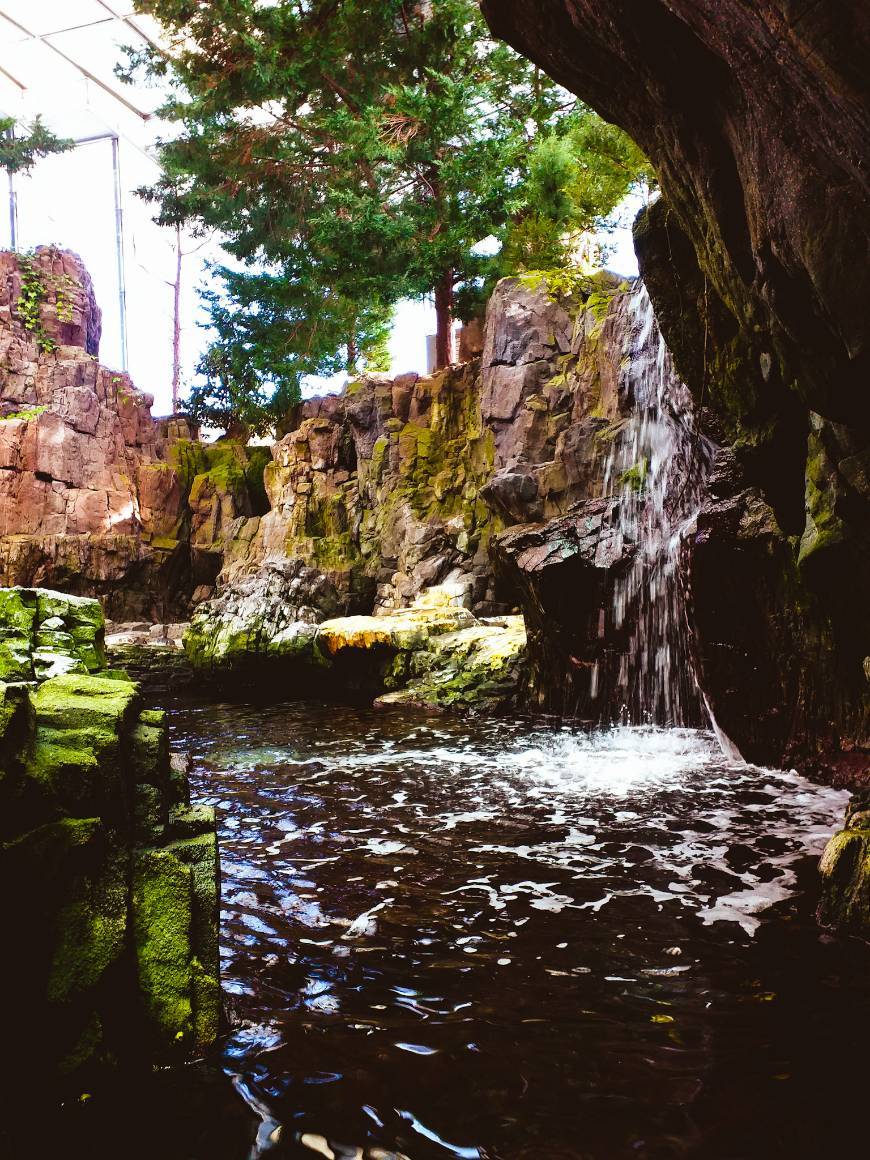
(111, 876)
(757, 260)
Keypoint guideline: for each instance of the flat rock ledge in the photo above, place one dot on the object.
(434, 653)
(112, 875)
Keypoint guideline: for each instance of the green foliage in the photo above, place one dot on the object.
(28, 306)
(20, 154)
(351, 155)
(27, 414)
(376, 353)
(228, 395)
(576, 178)
(36, 285)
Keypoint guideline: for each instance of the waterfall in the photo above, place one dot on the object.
(656, 468)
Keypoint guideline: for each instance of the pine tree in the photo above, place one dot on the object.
(351, 153)
(363, 146)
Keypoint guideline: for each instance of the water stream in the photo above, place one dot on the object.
(450, 939)
(657, 466)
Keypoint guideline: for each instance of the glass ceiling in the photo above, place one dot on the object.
(57, 59)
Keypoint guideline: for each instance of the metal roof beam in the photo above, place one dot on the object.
(80, 68)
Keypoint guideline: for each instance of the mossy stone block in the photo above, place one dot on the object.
(18, 610)
(73, 610)
(16, 660)
(161, 916)
(149, 813)
(149, 754)
(91, 929)
(200, 854)
(77, 701)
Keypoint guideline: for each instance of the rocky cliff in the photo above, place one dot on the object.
(757, 258)
(96, 497)
(112, 877)
(401, 485)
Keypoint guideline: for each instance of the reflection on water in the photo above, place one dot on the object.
(485, 940)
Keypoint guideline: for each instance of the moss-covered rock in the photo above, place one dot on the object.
(45, 634)
(845, 871)
(116, 907)
(478, 667)
(435, 652)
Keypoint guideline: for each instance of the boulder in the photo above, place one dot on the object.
(845, 871)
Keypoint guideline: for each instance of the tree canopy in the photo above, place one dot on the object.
(351, 153)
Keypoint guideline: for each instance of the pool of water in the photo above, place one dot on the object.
(488, 940)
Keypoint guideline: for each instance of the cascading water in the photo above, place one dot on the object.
(656, 468)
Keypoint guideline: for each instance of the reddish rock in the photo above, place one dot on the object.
(90, 498)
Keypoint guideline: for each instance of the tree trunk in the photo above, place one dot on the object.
(352, 354)
(444, 321)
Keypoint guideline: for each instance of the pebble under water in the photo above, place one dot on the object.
(485, 939)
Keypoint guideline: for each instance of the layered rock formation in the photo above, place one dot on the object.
(400, 485)
(96, 497)
(112, 877)
(757, 258)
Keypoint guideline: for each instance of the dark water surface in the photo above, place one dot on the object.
(447, 938)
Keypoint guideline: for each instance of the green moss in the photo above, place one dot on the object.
(635, 477)
(149, 753)
(845, 871)
(188, 458)
(26, 415)
(161, 917)
(76, 611)
(16, 660)
(206, 1004)
(17, 610)
(77, 701)
(91, 929)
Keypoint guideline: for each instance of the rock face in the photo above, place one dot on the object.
(96, 497)
(757, 259)
(401, 485)
(112, 876)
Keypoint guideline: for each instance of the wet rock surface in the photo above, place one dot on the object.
(115, 904)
